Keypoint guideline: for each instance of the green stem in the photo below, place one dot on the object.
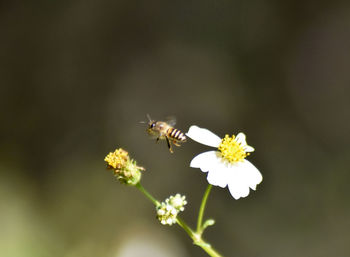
(188, 230)
(148, 195)
(202, 208)
(209, 250)
(197, 239)
(195, 236)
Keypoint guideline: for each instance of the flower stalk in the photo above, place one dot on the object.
(200, 227)
(129, 173)
(195, 236)
(148, 195)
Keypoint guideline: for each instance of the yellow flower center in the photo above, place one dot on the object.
(231, 150)
(117, 159)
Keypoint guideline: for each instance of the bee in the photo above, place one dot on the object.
(165, 130)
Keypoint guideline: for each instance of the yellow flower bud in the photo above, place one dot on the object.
(124, 168)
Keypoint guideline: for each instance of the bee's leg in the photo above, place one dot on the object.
(157, 140)
(176, 143)
(169, 145)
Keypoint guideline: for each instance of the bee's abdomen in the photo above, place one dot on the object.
(176, 134)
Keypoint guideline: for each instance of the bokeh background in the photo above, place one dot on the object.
(76, 77)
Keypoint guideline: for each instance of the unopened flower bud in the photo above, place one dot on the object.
(124, 168)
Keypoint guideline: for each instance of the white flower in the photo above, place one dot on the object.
(227, 166)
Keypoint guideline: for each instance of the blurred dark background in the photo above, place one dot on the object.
(76, 77)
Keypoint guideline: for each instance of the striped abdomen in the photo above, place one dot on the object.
(176, 134)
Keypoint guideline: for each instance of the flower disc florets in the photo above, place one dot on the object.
(168, 210)
(117, 159)
(124, 168)
(232, 150)
(177, 201)
(166, 214)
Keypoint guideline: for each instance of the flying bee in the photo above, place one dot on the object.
(165, 130)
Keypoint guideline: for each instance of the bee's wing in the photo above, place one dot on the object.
(171, 120)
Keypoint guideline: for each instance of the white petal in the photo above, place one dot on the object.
(241, 139)
(248, 148)
(217, 178)
(204, 161)
(252, 174)
(211, 161)
(243, 176)
(236, 183)
(219, 172)
(203, 136)
(238, 190)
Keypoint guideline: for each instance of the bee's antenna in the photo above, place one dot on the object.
(148, 117)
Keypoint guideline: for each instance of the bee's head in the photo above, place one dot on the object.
(151, 125)
(151, 128)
